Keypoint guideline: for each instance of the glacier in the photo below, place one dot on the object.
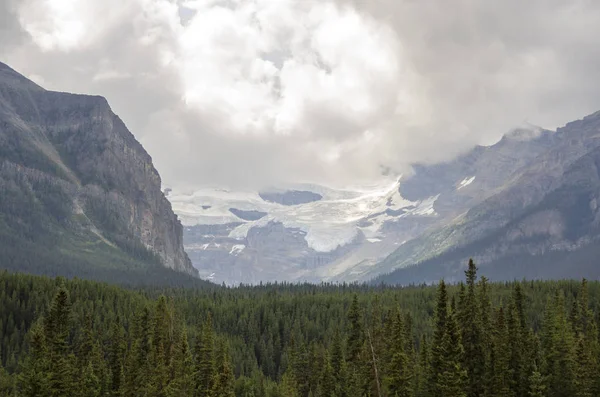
(327, 224)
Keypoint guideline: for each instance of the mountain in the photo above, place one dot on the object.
(295, 233)
(419, 228)
(80, 196)
(542, 223)
(314, 233)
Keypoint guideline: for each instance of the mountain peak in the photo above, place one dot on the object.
(524, 133)
(92, 182)
(10, 77)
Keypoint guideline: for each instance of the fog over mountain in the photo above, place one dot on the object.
(252, 93)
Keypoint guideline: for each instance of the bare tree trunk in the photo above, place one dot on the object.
(374, 364)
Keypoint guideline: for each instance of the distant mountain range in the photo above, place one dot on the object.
(520, 207)
(541, 221)
(79, 195)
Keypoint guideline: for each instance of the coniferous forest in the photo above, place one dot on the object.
(80, 338)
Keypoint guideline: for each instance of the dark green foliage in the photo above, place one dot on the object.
(88, 339)
(205, 368)
(400, 372)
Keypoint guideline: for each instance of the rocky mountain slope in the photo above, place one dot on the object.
(420, 228)
(543, 222)
(342, 234)
(307, 233)
(77, 189)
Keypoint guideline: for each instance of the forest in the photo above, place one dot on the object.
(72, 337)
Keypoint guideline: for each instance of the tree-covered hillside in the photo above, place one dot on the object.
(73, 337)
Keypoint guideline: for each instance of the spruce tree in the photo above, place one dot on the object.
(338, 365)
(537, 386)
(57, 327)
(160, 357)
(472, 339)
(355, 332)
(182, 366)
(586, 373)
(423, 369)
(138, 370)
(437, 347)
(288, 387)
(452, 380)
(327, 384)
(204, 371)
(520, 364)
(116, 356)
(224, 378)
(499, 375)
(400, 374)
(559, 349)
(7, 387)
(34, 379)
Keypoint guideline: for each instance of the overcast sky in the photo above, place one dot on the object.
(245, 93)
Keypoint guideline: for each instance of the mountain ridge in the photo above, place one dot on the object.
(513, 211)
(76, 166)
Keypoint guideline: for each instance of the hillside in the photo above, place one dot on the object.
(546, 215)
(80, 196)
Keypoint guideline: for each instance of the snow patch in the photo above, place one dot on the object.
(236, 249)
(466, 182)
(327, 224)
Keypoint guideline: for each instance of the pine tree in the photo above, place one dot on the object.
(288, 387)
(451, 381)
(224, 377)
(327, 384)
(559, 349)
(472, 340)
(423, 369)
(587, 370)
(355, 332)
(519, 343)
(499, 376)
(301, 368)
(204, 372)
(160, 358)
(485, 310)
(57, 326)
(537, 387)
(116, 354)
(181, 383)
(338, 365)
(90, 384)
(399, 379)
(437, 347)
(7, 387)
(138, 370)
(34, 379)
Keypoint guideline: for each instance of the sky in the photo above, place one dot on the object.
(253, 93)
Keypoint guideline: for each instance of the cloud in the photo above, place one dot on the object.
(247, 93)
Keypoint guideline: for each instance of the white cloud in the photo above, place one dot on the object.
(254, 92)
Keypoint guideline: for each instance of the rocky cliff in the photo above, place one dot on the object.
(542, 222)
(71, 172)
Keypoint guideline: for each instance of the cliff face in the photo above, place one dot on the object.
(543, 222)
(76, 159)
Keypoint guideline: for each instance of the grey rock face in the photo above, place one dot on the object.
(544, 217)
(251, 215)
(291, 197)
(266, 254)
(81, 147)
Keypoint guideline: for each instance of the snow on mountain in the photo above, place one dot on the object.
(466, 182)
(331, 222)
